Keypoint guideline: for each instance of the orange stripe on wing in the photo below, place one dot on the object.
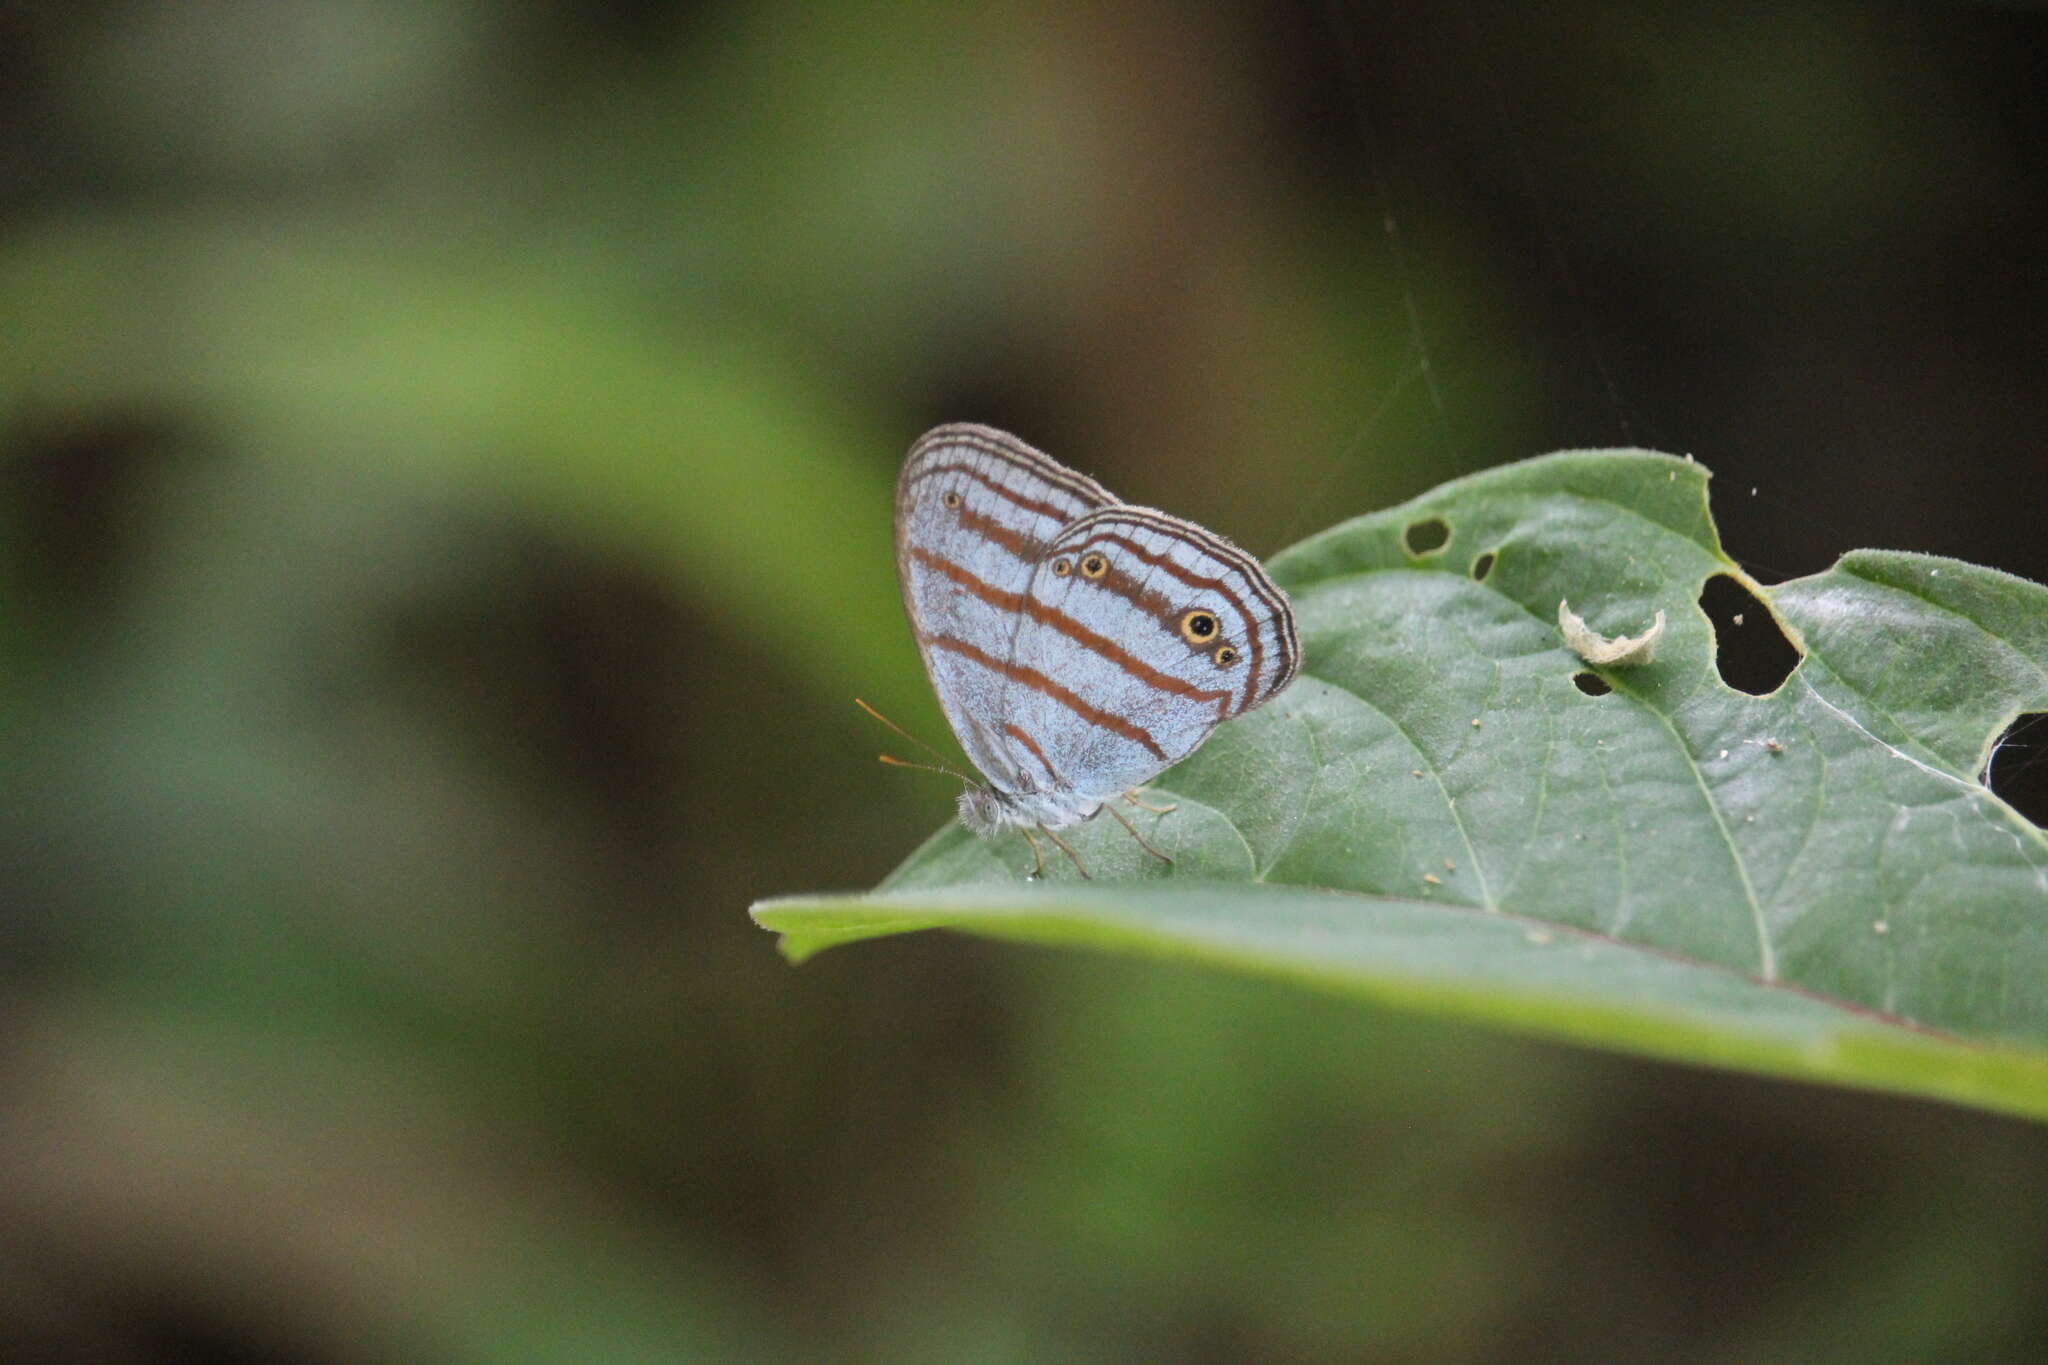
(1193, 579)
(1156, 604)
(1029, 551)
(1038, 682)
(1004, 491)
(1009, 450)
(1069, 627)
(1019, 545)
(1240, 563)
(1016, 732)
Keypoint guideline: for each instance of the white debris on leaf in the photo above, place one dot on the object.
(1620, 651)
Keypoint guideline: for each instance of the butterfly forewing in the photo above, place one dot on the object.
(975, 510)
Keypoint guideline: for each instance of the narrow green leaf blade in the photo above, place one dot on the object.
(1459, 963)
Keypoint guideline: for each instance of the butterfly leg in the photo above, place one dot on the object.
(1037, 858)
(1143, 842)
(1072, 856)
(1132, 797)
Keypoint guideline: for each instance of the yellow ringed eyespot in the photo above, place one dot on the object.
(1198, 626)
(1225, 657)
(1062, 567)
(1094, 566)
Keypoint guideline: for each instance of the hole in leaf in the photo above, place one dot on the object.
(1592, 684)
(1426, 537)
(2017, 771)
(1482, 566)
(1750, 648)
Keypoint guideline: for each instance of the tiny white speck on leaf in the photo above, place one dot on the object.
(1432, 879)
(1880, 927)
(1724, 753)
(1475, 722)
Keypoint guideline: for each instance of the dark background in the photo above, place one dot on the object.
(444, 478)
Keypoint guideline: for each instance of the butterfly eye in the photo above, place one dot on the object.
(1198, 626)
(952, 498)
(1062, 567)
(1224, 657)
(1094, 566)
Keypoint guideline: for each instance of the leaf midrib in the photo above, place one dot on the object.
(1767, 957)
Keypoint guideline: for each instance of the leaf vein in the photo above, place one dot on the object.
(1429, 765)
(2035, 666)
(1767, 958)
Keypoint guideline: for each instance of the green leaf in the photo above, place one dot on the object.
(1810, 883)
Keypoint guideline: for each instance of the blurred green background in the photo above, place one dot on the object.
(445, 457)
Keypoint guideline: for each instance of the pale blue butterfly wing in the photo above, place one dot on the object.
(1151, 631)
(1078, 646)
(975, 509)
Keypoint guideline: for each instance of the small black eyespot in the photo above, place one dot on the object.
(1094, 566)
(952, 498)
(1225, 657)
(1197, 626)
(1062, 567)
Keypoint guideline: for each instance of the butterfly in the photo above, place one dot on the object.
(1079, 646)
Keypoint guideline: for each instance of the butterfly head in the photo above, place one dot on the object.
(983, 810)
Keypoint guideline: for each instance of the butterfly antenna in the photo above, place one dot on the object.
(941, 766)
(896, 762)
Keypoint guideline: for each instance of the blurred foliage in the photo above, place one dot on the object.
(444, 499)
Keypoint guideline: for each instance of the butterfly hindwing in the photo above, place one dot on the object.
(1140, 633)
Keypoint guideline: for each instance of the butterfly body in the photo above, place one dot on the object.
(1078, 645)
